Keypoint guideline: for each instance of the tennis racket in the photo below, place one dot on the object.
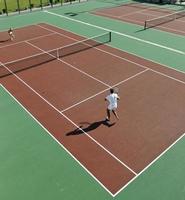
(116, 90)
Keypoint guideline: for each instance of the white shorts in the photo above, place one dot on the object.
(112, 107)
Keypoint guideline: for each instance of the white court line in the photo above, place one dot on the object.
(117, 84)
(85, 133)
(157, 158)
(43, 51)
(60, 144)
(38, 37)
(118, 33)
(92, 76)
(118, 16)
(17, 27)
(15, 75)
(137, 22)
(96, 142)
(137, 64)
(82, 129)
(141, 10)
(106, 52)
(165, 66)
(122, 81)
(115, 16)
(160, 27)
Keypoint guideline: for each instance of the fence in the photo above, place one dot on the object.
(9, 6)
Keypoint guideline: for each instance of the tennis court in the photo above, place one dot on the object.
(147, 16)
(53, 83)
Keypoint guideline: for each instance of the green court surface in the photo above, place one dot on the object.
(35, 166)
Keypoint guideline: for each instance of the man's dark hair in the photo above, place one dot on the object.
(111, 90)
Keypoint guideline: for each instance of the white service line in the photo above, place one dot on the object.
(157, 158)
(58, 32)
(118, 33)
(34, 38)
(96, 142)
(137, 64)
(137, 22)
(103, 146)
(117, 84)
(106, 52)
(43, 51)
(146, 69)
(165, 66)
(82, 130)
(59, 143)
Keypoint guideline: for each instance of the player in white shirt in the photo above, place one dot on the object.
(112, 98)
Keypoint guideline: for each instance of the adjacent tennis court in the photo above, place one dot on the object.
(147, 16)
(54, 134)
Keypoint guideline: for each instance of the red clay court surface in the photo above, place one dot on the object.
(137, 14)
(67, 93)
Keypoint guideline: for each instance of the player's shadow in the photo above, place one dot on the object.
(2, 41)
(86, 127)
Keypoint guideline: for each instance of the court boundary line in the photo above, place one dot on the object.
(118, 33)
(18, 27)
(153, 61)
(52, 137)
(82, 128)
(117, 84)
(22, 41)
(136, 176)
(72, 66)
(52, 106)
(131, 13)
(139, 23)
(163, 65)
(159, 154)
(114, 55)
(152, 163)
(16, 75)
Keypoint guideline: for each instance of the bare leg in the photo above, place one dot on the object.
(12, 36)
(108, 114)
(115, 114)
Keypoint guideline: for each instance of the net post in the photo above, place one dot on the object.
(110, 36)
(145, 26)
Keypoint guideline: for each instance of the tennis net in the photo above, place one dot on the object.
(47, 56)
(163, 19)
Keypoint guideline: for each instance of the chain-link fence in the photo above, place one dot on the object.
(10, 6)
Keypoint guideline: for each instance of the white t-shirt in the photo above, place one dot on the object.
(112, 99)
